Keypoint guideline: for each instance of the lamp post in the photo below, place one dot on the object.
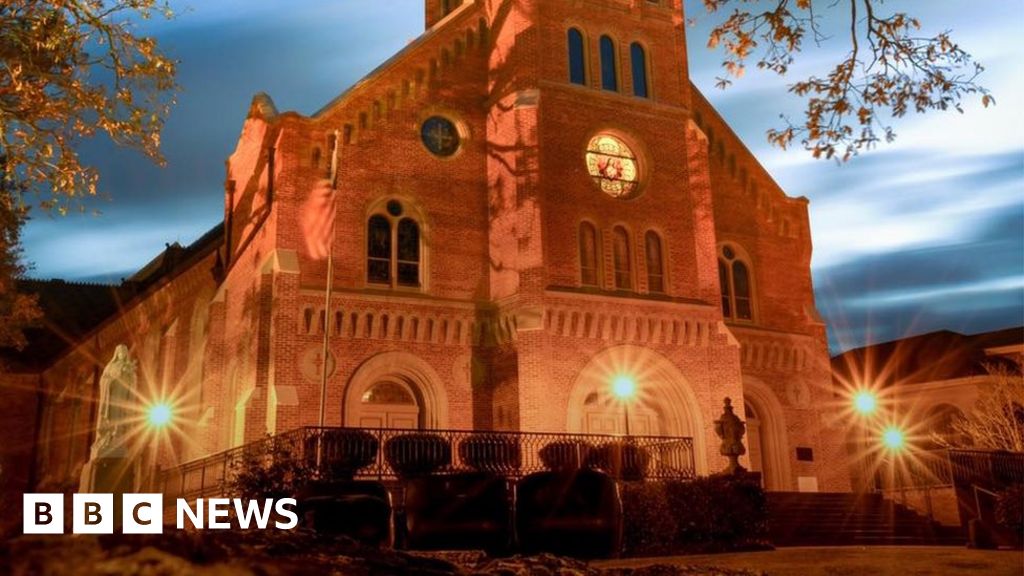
(624, 388)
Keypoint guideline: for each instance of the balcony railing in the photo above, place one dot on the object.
(386, 454)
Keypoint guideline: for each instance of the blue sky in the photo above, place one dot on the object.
(923, 234)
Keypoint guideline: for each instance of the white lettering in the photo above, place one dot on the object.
(282, 510)
(218, 508)
(185, 510)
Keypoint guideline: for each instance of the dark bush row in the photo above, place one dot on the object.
(714, 514)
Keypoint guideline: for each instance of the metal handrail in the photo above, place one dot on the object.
(665, 457)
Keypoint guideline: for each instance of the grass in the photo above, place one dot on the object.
(854, 561)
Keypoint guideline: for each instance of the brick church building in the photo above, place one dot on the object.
(531, 201)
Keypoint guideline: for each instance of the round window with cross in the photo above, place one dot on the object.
(441, 136)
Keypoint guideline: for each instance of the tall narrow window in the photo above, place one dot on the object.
(623, 260)
(408, 253)
(655, 263)
(394, 248)
(737, 288)
(577, 58)
(638, 59)
(378, 250)
(609, 65)
(588, 255)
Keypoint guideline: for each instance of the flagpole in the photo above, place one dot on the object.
(327, 308)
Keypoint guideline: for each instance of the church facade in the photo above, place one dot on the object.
(524, 206)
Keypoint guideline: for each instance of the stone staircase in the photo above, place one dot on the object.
(843, 519)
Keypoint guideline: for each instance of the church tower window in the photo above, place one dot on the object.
(638, 60)
(394, 248)
(577, 58)
(589, 258)
(655, 263)
(623, 259)
(737, 286)
(609, 65)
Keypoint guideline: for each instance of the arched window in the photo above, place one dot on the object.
(638, 58)
(609, 65)
(737, 288)
(577, 58)
(589, 258)
(655, 263)
(393, 248)
(623, 259)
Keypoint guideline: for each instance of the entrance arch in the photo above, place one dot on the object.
(664, 405)
(767, 442)
(395, 390)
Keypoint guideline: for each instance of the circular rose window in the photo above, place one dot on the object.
(441, 136)
(613, 166)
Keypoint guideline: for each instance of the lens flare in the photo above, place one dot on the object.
(894, 439)
(865, 402)
(160, 415)
(624, 387)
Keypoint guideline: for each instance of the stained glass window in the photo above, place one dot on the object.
(441, 136)
(613, 166)
(394, 248)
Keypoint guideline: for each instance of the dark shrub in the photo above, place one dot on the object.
(358, 509)
(621, 459)
(414, 455)
(571, 513)
(272, 469)
(565, 455)
(491, 453)
(1010, 508)
(343, 452)
(465, 511)
(715, 514)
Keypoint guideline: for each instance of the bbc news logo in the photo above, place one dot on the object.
(144, 514)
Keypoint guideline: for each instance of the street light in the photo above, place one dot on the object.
(865, 402)
(894, 439)
(159, 415)
(624, 388)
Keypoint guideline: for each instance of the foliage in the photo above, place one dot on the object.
(713, 514)
(17, 311)
(1010, 508)
(890, 69)
(73, 69)
(997, 420)
(272, 469)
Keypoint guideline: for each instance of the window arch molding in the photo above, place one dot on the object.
(383, 207)
(736, 276)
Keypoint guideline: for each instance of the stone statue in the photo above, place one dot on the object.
(731, 430)
(117, 397)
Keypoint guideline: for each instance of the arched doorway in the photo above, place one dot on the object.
(767, 440)
(395, 390)
(663, 403)
(755, 441)
(389, 403)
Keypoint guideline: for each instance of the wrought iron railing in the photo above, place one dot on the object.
(934, 468)
(383, 454)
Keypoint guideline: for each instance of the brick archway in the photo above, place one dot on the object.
(407, 368)
(660, 385)
(774, 441)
